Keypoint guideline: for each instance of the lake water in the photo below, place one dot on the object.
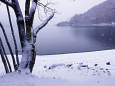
(60, 40)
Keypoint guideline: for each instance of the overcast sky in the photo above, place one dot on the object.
(65, 8)
(68, 8)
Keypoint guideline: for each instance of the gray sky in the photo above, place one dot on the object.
(68, 8)
(65, 8)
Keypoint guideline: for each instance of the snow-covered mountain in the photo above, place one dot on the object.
(103, 13)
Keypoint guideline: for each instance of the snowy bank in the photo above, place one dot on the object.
(16, 79)
(88, 64)
(78, 69)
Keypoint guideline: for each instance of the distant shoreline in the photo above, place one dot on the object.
(93, 25)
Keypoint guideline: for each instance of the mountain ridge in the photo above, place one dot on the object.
(103, 13)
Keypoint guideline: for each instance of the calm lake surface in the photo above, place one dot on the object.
(60, 40)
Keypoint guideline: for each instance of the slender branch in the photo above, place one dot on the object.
(27, 7)
(29, 19)
(3, 59)
(20, 22)
(7, 2)
(11, 52)
(15, 43)
(44, 6)
(32, 10)
(10, 69)
(38, 28)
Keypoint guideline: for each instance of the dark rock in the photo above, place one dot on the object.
(69, 65)
(107, 69)
(45, 66)
(55, 65)
(108, 63)
(95, 64)
(101, 69)
(84, 65)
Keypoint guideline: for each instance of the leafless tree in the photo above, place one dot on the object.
(27, 33)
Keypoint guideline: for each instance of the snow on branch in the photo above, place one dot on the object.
(38, 28)
(7, 2)
(33, 7)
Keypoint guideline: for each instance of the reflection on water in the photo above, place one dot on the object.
(104, 35)
(56, 40)
(75, 39)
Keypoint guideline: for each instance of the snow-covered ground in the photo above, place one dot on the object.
(78, 69)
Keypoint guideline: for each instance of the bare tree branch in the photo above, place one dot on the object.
(11, 52)
(29, 19)
(20, 22)
(27, 7)
(7, 61)
(14, 39)
(7, 2)
(44, 6)
(38, 28)
(3, 59)
(32, 10)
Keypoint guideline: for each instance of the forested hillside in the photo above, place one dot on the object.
(103, 13)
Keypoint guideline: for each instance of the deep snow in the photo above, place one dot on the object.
(78, 69)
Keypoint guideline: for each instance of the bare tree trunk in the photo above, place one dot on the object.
(32, 57)
(16, 48)
(10, 49)
(3, 59)
(29, 13)
(28, 37)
